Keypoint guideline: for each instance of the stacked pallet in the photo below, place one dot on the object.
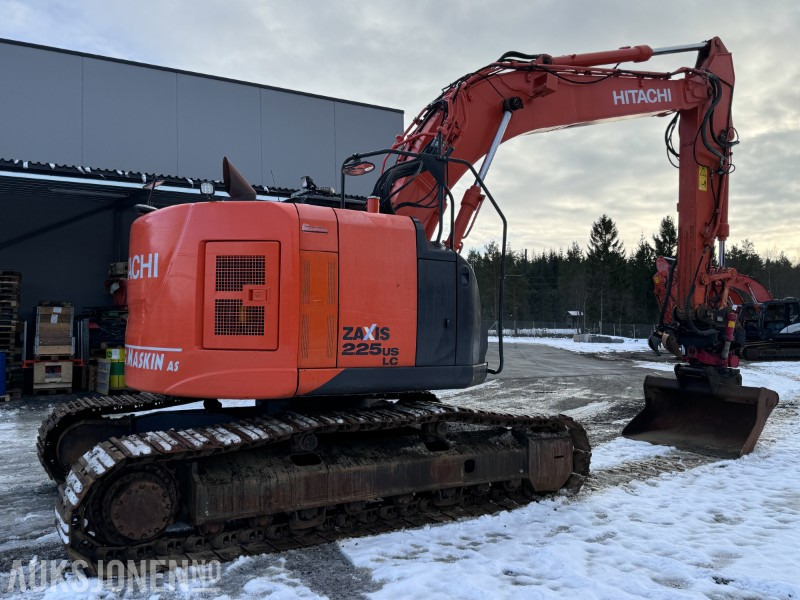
(53, 348)
(10, 335)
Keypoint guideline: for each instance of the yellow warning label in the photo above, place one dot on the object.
(702, 179)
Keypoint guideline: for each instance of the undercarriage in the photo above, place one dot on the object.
(241, 481)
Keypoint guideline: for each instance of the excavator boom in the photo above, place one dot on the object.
(522, 94)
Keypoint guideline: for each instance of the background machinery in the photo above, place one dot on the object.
(771, 328)
(339, 320)
(767, 328)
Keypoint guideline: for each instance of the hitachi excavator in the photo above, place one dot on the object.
(339, 318)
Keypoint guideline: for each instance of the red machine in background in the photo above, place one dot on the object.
(339, 319)
(727, 287)
(767, 328)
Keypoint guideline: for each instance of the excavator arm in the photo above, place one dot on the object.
(521, 94)
(512, 97)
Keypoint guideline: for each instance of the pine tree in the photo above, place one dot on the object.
(543, 287)
(745, 259)
(572, 280)
(666, 240)
(606, 261)
(641, 267)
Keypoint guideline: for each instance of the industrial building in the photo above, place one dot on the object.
(84, 138)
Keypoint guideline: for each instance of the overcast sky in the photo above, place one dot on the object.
(552, 186)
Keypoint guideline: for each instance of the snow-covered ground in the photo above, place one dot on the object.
(566, 343)
(724, 530)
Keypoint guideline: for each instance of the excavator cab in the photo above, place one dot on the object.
(703, 409)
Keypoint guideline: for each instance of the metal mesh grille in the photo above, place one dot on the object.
(305, 282)
(231, 318)
(332, 283)
(305, 326)
(331, 346)
(235, 271)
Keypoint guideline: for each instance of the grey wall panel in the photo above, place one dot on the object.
(130, 117)
(298, 139)
(69, 108)
(217, 119)
(362, 129)
(40, 105)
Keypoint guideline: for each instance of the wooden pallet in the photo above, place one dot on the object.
(55, 303)
(51, 391)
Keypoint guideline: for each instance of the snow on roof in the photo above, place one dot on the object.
(110, 176)
(134, 180)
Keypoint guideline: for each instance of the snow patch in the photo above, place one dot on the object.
(162, 439)
(74, 483)
(136, 446)
(622, 450)
(194, 438)
(583, 412)
(710, 532)
(98, 460)
(224, 436)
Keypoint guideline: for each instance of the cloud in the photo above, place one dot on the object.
(401, 54)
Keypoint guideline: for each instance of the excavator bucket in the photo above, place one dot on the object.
(700, 412)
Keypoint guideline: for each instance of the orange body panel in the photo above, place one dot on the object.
(318, 228)
(319, 303)
(167, 307)
(312, 379)
(332, 284)
(378, 293)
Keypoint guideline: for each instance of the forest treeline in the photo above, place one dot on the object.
(605, 281)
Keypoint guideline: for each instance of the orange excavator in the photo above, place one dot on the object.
(340, 317)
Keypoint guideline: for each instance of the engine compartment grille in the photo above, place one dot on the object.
(232, 318)
(241, 295)
(236, 271)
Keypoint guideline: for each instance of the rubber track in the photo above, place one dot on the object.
(69, 413)
(106, 459)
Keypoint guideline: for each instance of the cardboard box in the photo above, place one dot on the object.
(53, 331)
(48, 375)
